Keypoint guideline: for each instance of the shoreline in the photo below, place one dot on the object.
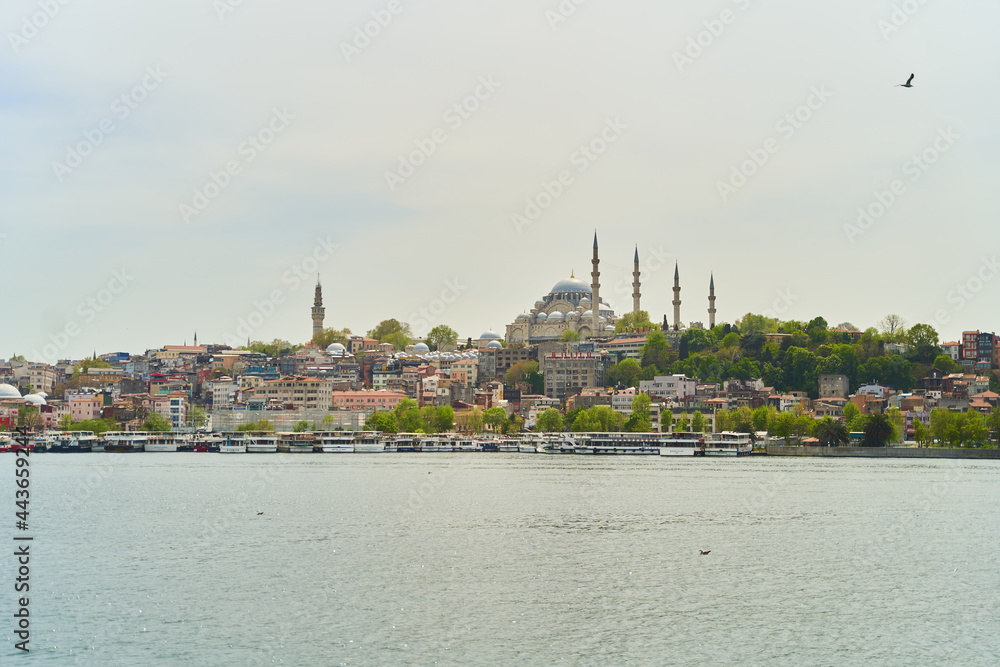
(884, 452)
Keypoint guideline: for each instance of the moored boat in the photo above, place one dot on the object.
(160, 442)
(123, 442)
(337, 442)
(262, 442)
(73, 441)
(728, 443)
(233, 443)
(368, 442)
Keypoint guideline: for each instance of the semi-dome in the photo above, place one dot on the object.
(489, 335)
(34, 399)
(588, 313)
(421, 347)
(494, 344)
(522, 317)
(571, 284)
(9, 391)
(542, 316)
(556, 315)
(572, 313)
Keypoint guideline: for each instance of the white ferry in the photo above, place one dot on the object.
(404, 442)
(528, 445)
(508, 445)
(70, 441)
(635, 444)
(161, 442)
(233, 443)
(368, 442)
(728, 443)
(337, 442)
(426, 444)
(464, 445)
(445, 444)
(261, 442)
(559, 443)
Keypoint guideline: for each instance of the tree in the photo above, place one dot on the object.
(784, 425)
(550, 421)
(832, 432)
(682, 425)
(656, 352)
(29, 417)
(852, 417)
(666, 420)
(569, 336)
(276, 348)
(327, 337)
(946, 364)
(495, 418)
(197, 417)
(993, 422)
(156, 422)
(633, 321)
(328, 422)
(441, 335)
(625, 373)
(878, 430)
(475, 420)
(517, 375)
(898, 422)
(427, 419)
(760, 417)
(301, 426)
(65, 421)
(893, 326)
(98, 426)
(444, 419)
(383, 422)
(698, 422)
(920, 432)
(923, 342)
(724, 421)
(639, 421)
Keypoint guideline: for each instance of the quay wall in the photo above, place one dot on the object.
(886, 452)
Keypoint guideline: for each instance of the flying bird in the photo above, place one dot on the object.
(908, 84)
(259, 513)
(705, 553)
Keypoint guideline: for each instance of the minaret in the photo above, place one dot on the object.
(318, 310)
(595, 298)
(196, 339)
(635, 283)
(711, 302)
(677, 298)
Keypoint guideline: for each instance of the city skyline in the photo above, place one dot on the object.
(742, 141)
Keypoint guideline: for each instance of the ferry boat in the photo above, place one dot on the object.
(337, 442)
(368, 442)
(161, 442)
(210, 442)
(303, 443)
(403, 442)
(43, 442)
(464, 445)
(262, 443)
(445, 444)
(527, 445)
(5, 441)
(431, 445)
(728, 443)
(635, 444)
(125, 441)
(73, 441)
(233, 443)
(487, 445)
(559, 443)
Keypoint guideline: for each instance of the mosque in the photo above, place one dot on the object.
(573, 305)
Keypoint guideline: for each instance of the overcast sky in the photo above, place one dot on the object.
(118, 113)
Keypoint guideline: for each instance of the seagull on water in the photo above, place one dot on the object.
(908, 84)
(705, 553)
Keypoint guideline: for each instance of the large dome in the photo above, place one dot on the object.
(34, 399)
(570, 285)
(9, 391)
(490, 335)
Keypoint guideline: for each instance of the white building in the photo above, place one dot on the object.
(224, 392)
(621, 400)
(669, 387)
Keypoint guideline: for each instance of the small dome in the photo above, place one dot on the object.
(609, 328)
(9, 391)
(489, 335)
(539, 304)
(494, 344)
(572, 314)
(556, 316)
(336, 350)
(588, 313)
(522, 317)
(421, 347)
(34, 399)
(542, 316)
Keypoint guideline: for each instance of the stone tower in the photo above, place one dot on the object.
(635, 283)
(677, 298)
(595, 298)
(318, 311)
(711, 302)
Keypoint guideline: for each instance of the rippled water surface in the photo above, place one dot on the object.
(460, 559)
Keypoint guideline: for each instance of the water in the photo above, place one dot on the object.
(460, 559)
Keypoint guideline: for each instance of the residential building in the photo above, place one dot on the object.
(367, 400)
(570, 372)
(172, 406)
(304, 391)
(669, 387)
(953, 349)
(831, 386)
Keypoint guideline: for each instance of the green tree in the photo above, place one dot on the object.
(495, 418)
(625, 373)
(475, 420)
(920, 432)
(328, 422)
(444, 419)
(923, 342)
(832, 433)
(633, 321)
(666, 420)
(656, 352)
(569, 336)
(388, 327)
(427, 419)
(946, 364)
(682, 425)
(328, 337)
(518, 374)
(550, 421)
(760, 417)
(724, 421)
(197, 417)
(301, 426)
(878, 430)
(852, 417)
(98, 426)
(698, 422)
(29, 417)
(640, 421)
(276, 348)
(65, 422)
(440, 335)
(898, 422)
(784, 426)
(942, 425)
(156, 422)
(383, 422)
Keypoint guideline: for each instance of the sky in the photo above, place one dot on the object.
(190, 166)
